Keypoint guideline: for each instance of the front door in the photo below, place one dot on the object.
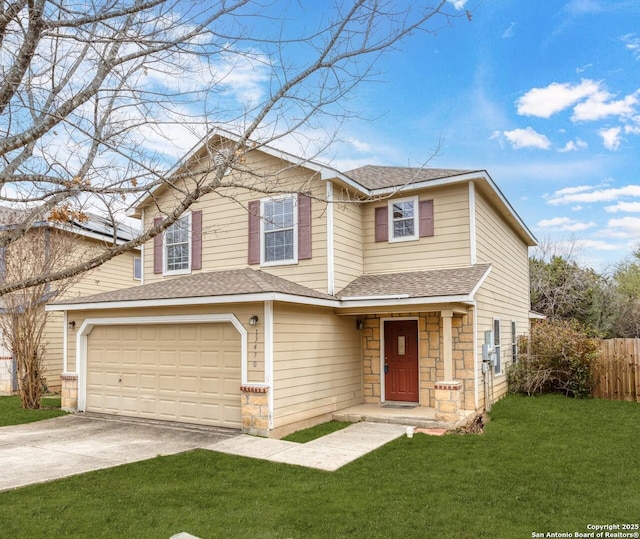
(401, 360)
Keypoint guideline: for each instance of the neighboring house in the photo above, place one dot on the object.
(271, 313)
(121, 272)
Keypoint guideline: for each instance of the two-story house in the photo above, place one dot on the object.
(82, 237)
(270, 312)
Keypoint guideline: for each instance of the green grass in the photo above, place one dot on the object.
(12, 413)
(544, 464)
(306, 435)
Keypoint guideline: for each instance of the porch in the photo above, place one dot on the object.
(395, 413)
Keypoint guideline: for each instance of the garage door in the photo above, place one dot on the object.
(184, 372)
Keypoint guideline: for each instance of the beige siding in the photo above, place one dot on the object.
(505, 293)
(225, 221)
(255, 338)
(317, 367)
(448, 247)
(347, 240)
(112, 275)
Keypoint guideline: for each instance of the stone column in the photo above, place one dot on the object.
(447, 345)
(448, 401)
(69, 392)
(255, 410)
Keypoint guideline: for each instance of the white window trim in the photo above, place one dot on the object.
(263, 243)
(416, 219)
(498, 348)
(134, 268)
(187, 270)
(514, 341)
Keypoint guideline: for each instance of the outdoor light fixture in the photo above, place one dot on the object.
(72, 324)
(253, 320)
(360, 325)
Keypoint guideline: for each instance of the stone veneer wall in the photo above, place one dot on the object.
(429, 346)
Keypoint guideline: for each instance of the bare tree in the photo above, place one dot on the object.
(23, 317)
(96, 97)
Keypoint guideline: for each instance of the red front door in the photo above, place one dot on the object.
(401, 360)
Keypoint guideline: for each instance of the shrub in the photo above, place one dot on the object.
(557, 357)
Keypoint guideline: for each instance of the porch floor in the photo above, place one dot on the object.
(419, 416)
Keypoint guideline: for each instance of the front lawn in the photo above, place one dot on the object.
(12, 413)
(544, 464)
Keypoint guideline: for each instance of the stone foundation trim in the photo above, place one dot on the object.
(255, 410)
(69, 392)
(254, 389)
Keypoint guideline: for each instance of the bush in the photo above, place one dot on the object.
(557, 357)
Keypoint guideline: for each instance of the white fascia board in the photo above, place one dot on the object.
(480, 282)
(372, 298)
(204, 300)
(399, 302)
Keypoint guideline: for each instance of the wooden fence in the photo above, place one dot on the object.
(619, 370)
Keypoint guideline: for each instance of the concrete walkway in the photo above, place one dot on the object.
(328, 453)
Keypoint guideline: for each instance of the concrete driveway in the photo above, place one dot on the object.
(73, 444)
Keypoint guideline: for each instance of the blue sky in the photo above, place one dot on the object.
(545, 95)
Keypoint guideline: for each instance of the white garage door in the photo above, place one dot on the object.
(183, 372)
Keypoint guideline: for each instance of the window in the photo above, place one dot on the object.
(514, 342)
(403, 219)
(137, 268)
(177, 246)
(279, 231)
(496, 345)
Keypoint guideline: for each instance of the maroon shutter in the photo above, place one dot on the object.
(254, 232)
(382, 229)
(196, 240)
(304, 227)
(157, 248)
(426, 218)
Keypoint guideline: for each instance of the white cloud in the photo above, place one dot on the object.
(599, 106)
(611, 137)
(573, 146)
(631, 207)
(583, 7)
(632, 43)
(458, 4)
(509, 32)
(527, 138)
(626, 227)
(360, 145)
(577, 207)
(572, 190)
(565, 224)
(599, 245)
(571, 195)
(545, 102)
(583, 68)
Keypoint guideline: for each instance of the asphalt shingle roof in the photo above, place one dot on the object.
(214, 283)
(377, 177)
(417, 284)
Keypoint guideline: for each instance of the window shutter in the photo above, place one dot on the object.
(304, 227)
(157, 248)
(426, 218)
(382, 230)
(254, 232)
(196, 240)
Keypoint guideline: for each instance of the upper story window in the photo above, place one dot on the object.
(404, 219)
(279, 230)
(177, 251)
